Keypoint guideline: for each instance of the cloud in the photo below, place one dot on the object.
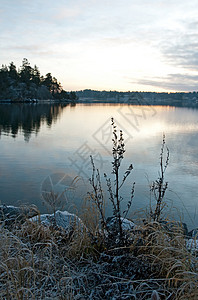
(183, 53)
(150, 37)
(173, 82)
(38, 50)
(68, 13)
(193, 25)
(116, 41)
(180, 48)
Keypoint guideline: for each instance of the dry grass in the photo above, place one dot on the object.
(171, 262)
(38, 262)
(32, 264)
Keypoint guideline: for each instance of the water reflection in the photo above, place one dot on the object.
(64, 131)
(27, 118)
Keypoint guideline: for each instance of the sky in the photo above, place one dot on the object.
(123, 45)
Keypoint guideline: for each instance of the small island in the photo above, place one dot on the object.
(27, 85)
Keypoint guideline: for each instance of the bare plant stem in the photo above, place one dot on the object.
(159, 186)
(118, 151)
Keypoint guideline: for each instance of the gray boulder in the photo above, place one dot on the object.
(192, 245)
(10, 214)
(194, 233)
(127, 225)
(174, 226)
(63, 219)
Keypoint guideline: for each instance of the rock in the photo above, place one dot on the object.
(10, 214)
(127, 225)
(194, 233)
(63, 219)
(172, 226)
(192, 245)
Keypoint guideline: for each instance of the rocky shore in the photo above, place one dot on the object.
(59, 257)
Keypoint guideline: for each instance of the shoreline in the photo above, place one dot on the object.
(146, 102)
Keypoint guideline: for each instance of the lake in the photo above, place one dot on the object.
(45, 146)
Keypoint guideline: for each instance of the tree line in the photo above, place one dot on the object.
(27, 83)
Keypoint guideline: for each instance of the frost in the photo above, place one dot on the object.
(62, 219)
(127, 225)
(192, 245)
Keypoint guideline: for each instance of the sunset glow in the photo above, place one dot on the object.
(105, 45)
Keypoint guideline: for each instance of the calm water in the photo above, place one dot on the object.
(48, 145)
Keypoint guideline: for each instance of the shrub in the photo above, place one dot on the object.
(115, 198)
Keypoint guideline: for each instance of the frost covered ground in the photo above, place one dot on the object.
(43, 258)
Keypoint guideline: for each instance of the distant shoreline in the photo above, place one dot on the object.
(36, 101)
(161, 102)
(88, 96)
